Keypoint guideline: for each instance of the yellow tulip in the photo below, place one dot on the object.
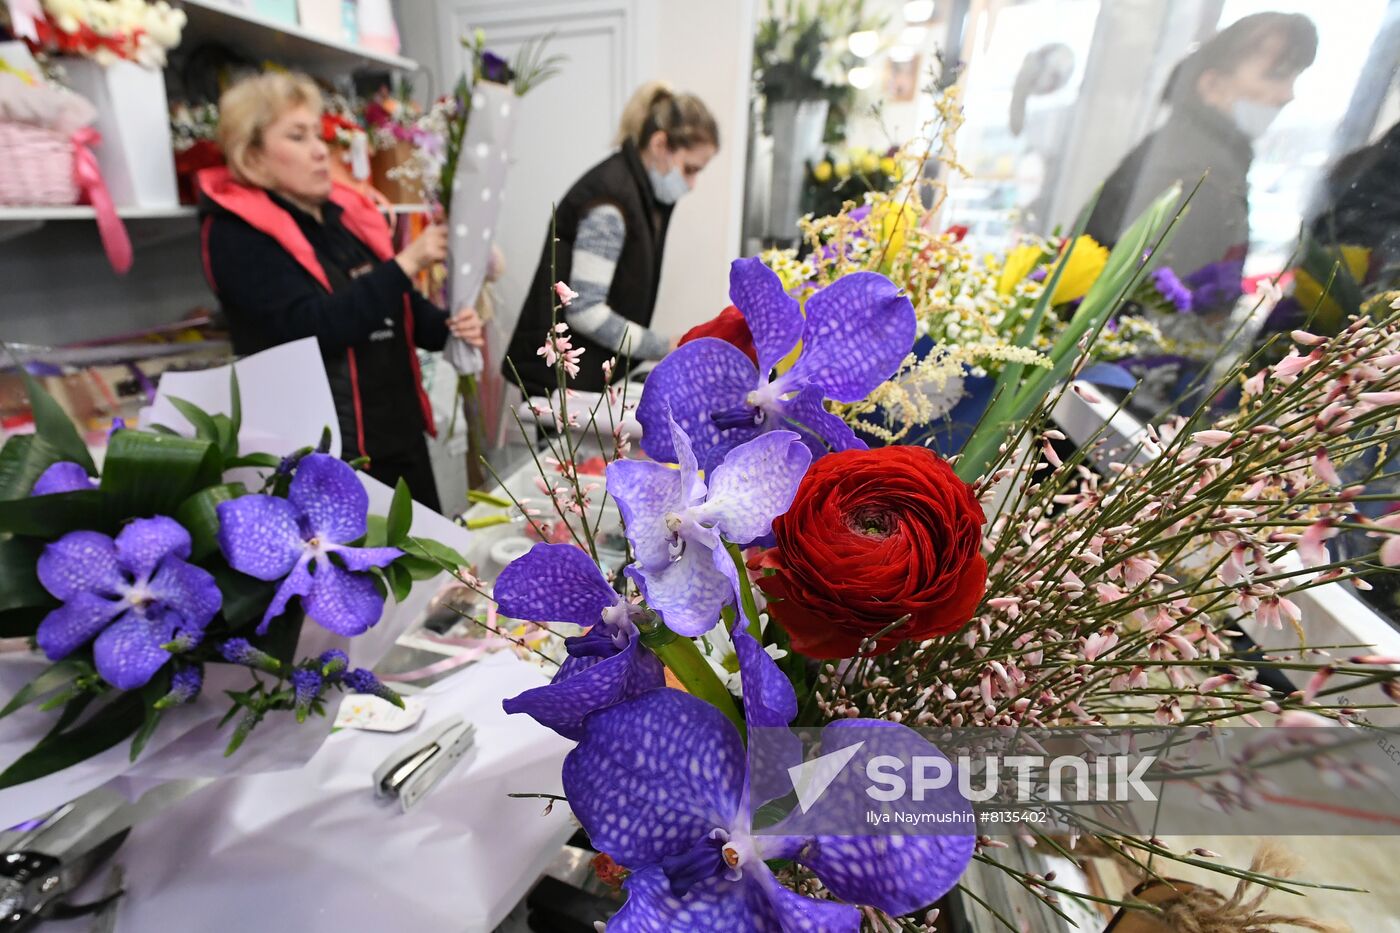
(1019, 263)
(869, 163)
(1308, 290)
(892, 220)
(843, 168)
(888, 166)
(1086, 264)
(822, 172)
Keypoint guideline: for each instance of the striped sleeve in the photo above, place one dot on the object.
(597, 246)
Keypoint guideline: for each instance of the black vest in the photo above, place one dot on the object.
(620, 180)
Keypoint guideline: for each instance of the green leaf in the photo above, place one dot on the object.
(51, 516)
(400, 581)
(400, 514)
(23, 460)
(419, 568)
(151, 474)
(153, 691)
(52, 424)
(199, 514)
(225, 436)
(19, 583)
(282, 636)
(53, 678)
(445, 557)
(59, 750)
(269, 461)
(376, 532)
(245, 598)
(201, 420)
(235, 406)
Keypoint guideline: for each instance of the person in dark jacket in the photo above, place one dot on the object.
(291, 254)
(1223, 96)
(611, 232)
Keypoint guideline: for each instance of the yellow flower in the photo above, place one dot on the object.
(892, 220)
(887, 165)
(1086, 263)
(843, 168)
(822, 172)
(869, 163)
(1019, 263)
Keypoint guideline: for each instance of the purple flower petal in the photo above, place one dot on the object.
(653, 775)
(298, 583)
(821, 431)
(698, 379)
(554, 583)
(79, 562)
(259, 536)
(144, 543)
(326, 491)
(755, 484)
(63, 476)
(859, 329)
(773, 316)
(769, 700)
(715, 905)
(363, 558)
(645, 491)
(898, 874)
(189, 590)
(75, 623)
(128, 653)
(584, 685)
(688, 593)
(344, 602)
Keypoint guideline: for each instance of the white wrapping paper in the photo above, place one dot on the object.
(476, 204)
(188, 742)
(314, 851)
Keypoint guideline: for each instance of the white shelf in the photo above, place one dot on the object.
(83, 212)
(259, 37)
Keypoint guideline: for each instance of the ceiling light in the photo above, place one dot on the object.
(864, 43)
(913, 36)
(861, 77)
(918, 11)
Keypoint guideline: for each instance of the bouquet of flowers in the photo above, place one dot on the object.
(800, 50)
(783, 572)
(184, 568)
(194, 132)
(110, 30)
(847, 174)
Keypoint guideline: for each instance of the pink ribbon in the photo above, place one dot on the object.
(88, 177)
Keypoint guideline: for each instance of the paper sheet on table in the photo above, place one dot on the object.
(286, 399)
(189, 742)
(314, 851)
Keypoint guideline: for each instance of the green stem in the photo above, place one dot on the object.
(683, 659)
(750, 605)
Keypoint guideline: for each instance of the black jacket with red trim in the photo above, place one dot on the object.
(281, 275)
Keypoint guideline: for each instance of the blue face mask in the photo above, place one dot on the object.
(669, 187)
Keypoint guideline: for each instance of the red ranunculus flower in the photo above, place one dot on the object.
(729, 325)
(872, 536)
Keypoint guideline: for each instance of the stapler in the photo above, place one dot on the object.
(416, 767)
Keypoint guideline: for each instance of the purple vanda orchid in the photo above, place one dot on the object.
(659, 782)
(296, 538)
(133, 595)
(606, 665)
(60, 477)
(678, 523)
(856, 333)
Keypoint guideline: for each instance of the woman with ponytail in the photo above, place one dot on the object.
(611, 231)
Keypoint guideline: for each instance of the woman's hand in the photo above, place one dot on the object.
(424, 252)
(466, 324)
